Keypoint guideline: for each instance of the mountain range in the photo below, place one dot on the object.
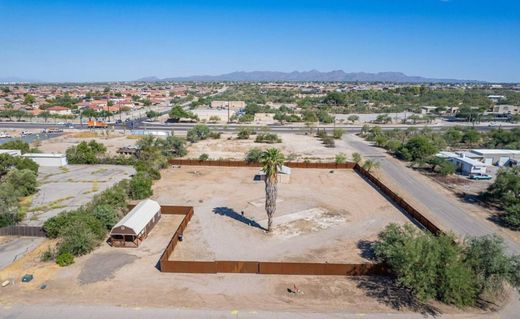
(313, 75)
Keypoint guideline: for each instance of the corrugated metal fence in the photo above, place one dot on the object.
(226, 163)
(253, 267)
(30, 231)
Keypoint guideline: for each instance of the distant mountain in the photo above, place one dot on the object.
(313, 75)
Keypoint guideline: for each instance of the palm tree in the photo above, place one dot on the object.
(272, 161)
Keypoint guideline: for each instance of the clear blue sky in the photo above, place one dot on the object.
(77, 40)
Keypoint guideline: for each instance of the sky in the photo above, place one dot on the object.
(125, 40)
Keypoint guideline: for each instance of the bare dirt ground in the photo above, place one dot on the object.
(298, 145)
(113, 140)
(321, 216)
(129, 277)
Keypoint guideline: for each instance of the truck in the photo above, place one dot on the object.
(96, 124)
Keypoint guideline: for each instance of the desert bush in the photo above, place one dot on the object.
(198, 133)
(203, 157)
(338, 133)
(140, 186)
(253, 155)
(65, 259)
(269, 138)
(244, 133)
(341, 158)
(328, 141)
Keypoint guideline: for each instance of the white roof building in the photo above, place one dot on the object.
(135, 226)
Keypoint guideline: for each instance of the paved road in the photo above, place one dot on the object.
(102, 311)
(14, 249)
(138, 123)
(444, 209)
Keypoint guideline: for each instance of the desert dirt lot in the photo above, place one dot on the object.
(113, 141)
(322, 215)
(299, 145)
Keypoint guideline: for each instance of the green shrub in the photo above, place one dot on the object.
(198, 133)
(142, 166)
(85, 153)
(24, 147)
(106, 215)
(65, 259)
(341, 158)
(436, 267)
(47, 255)
(77, 238)
(244, 133)
(215, 135)
(338, 133)
(253, 155)
(269, 138)
(203, 157)
(24, 181)
(140, 186)
(329, 141)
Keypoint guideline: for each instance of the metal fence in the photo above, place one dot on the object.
(30, 231)
(228, 163)
(281, 268)
(425, 222)
(252, 267)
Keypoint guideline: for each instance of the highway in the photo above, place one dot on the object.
(182, 127)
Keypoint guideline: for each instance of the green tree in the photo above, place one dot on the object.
(198, 133)
(203, 157)
(272, 161)
(177, 113)
(140, 186)
(23, 146)
(24, 181)
(418, 148)
(28, 99)
(8, 205)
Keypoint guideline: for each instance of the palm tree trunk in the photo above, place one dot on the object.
(271, 192)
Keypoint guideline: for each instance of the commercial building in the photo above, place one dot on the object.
(136, 225)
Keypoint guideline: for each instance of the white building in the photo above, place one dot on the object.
(136, 225)
(47, 159)
(497, 156)
(464, 164)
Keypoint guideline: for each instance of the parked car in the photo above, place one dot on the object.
(480, 176)
(26, 133)
(5, 135)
